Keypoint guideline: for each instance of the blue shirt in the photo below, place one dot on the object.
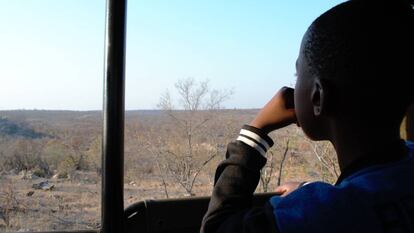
(375, 199)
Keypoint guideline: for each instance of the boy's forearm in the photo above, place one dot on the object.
(231, 202)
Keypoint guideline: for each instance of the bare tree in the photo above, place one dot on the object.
(157, 154)
(25, 155)
(279, 178)
(268, 172)
(327, 159)
(9, 203)
(77, 146)
(190, 145)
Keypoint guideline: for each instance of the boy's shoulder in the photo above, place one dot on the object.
(363, 202)
(319, 207)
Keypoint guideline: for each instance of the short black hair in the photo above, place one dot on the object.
(366, 46)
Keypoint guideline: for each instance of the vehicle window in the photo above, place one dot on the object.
(196, 72)
(50, 114)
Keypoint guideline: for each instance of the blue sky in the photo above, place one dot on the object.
(51, 52)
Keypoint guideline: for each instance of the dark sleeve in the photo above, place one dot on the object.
(230, 209)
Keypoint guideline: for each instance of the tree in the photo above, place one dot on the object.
(268, 172)
(78, 146)
(191, 143)
(25, 155)
(328, 161)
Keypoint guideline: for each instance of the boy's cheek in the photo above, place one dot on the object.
(307, 120)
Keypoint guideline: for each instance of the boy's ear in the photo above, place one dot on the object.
(318, 97)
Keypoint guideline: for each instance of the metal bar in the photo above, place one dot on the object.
(113, 118)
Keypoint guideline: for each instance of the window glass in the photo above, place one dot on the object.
(196, 72)
(50, 114)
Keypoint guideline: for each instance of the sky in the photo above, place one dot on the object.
(51, 52)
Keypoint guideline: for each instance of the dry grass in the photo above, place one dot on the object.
(69, 205)
(74, 202)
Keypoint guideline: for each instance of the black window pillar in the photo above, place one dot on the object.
(113, 118)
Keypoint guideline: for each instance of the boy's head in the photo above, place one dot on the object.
(356, 67)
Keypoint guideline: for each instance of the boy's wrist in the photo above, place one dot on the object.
(259, 126)
(256, 138)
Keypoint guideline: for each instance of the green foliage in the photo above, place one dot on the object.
(14, 130)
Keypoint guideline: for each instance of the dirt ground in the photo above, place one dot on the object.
(75, 203)
(70, 204)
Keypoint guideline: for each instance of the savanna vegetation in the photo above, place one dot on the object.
(50, 160)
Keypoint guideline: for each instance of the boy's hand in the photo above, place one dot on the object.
(277, 113)
(287, 188)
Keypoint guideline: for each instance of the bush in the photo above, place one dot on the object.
(25, 155)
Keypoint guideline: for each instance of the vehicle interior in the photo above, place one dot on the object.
(151, 216)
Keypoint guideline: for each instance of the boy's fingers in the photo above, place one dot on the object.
(278, 112)
(280, 190)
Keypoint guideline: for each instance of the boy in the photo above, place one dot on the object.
(355, 80)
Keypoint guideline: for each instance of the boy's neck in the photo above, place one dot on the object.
(371, 146)
(382, 155)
